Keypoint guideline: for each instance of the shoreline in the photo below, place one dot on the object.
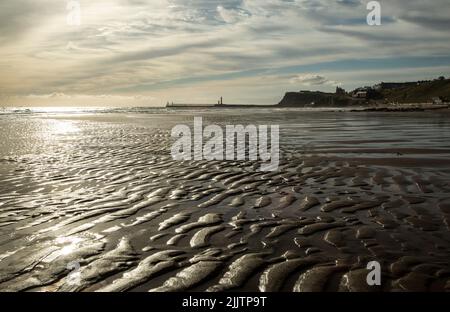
(406, 107)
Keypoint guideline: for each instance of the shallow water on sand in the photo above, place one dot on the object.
(99, 192)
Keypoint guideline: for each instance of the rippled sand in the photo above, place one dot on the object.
(101, 192)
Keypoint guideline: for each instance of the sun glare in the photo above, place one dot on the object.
(63, 127)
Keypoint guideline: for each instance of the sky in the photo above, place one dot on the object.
(146, 53)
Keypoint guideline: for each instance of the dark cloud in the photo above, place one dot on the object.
(349, 3)
(152, 53)
(431, 22)
(21, 16)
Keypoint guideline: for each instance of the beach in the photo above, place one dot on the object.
(93, 201)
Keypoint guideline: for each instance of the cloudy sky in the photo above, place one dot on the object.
(136, 52)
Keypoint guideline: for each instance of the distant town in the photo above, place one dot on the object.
(434, 92)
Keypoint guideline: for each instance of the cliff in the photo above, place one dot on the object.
(316, 98)
(421, 92)
(400, 92)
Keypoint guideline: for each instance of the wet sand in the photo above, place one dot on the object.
(102, 191)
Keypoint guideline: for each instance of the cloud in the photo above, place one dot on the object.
(232, 16)
(312, 80)
(432, 22)
(350, 3)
